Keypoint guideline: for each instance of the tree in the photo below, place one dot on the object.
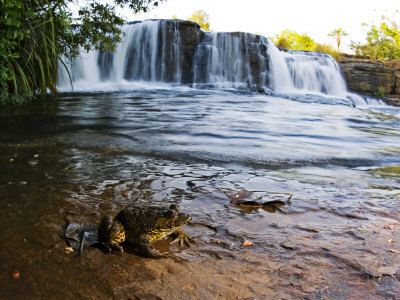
(337, 34)
(383, 41)
(38, 35)
(290, 39)
(201, 18)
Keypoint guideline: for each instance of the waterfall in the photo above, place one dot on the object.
(226, 59)
(147, 53)
(179, 52)
(303, 71)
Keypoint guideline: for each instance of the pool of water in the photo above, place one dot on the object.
(78, 156)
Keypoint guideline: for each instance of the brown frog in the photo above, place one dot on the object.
(141, 227)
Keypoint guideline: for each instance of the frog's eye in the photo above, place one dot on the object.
(171, 214)
(175, 207)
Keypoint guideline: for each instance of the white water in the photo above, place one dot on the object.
(220, 60)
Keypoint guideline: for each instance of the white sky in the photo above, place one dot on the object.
(316, 18)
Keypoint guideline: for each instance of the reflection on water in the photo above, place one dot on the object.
(79, 156)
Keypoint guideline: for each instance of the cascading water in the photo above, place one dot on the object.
(231, 60)
(147, 53)
(175, 51)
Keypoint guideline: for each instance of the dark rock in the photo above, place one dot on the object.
(373, 78)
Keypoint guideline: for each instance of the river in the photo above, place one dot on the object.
(78, 156)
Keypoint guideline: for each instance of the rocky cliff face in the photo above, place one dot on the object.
(375, 78)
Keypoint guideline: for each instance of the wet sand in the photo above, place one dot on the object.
(355, 264)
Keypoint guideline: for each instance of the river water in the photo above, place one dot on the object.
(78, 156)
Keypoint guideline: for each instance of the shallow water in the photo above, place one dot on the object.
(79, 156)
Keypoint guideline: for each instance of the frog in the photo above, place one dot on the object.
(143, 226)
(111, 233)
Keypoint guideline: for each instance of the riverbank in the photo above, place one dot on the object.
(373, 78)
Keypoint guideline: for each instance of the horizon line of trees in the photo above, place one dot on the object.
(382, 41)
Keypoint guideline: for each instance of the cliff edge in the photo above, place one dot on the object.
(374, 78)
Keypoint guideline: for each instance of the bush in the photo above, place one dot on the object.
(35, 35)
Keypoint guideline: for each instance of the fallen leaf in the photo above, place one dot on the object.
(15, 274)
(69, 249)
(247, 243)
(391, 227)
(394, 251)
(390, 241)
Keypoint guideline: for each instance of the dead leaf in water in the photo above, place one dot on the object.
(394, 251)
(247, 243)
(69, 250)
(391, 227)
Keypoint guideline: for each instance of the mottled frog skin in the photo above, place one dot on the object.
(111, 233)
(143, 226)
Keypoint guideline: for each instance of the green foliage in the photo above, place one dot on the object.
(201, 18)
(289, 39)
(36, 35)
(383, 41)
(380, 92)
(327, 49)
(337, 34)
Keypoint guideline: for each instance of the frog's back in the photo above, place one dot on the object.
(138, 221)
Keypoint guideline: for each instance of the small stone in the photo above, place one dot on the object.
(33, 162)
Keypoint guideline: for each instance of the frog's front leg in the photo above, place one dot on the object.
(148, 248)
(181, 237)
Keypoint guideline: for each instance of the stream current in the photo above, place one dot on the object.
(78, 156)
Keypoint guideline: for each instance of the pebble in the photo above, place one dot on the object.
(33, 162)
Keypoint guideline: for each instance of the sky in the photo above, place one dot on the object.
(315, 18)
